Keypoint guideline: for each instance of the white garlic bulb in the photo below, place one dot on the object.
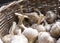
(19, 38)
(55, 30)
(30, 33)
(44, 37)
(51, 16)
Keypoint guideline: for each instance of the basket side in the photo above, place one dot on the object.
(7, 16)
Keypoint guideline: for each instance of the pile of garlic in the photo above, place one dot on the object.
(40, 31)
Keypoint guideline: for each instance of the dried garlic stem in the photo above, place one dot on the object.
(41, 18)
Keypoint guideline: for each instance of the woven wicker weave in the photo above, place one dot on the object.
(7, 16)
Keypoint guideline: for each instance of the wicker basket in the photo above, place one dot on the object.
(7, 16)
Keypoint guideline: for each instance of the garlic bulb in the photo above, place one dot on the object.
(58, 41)
(55, 30)
(30, 33)
(19, 38)
(7, 38)
(44, 37)
(50, 16)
